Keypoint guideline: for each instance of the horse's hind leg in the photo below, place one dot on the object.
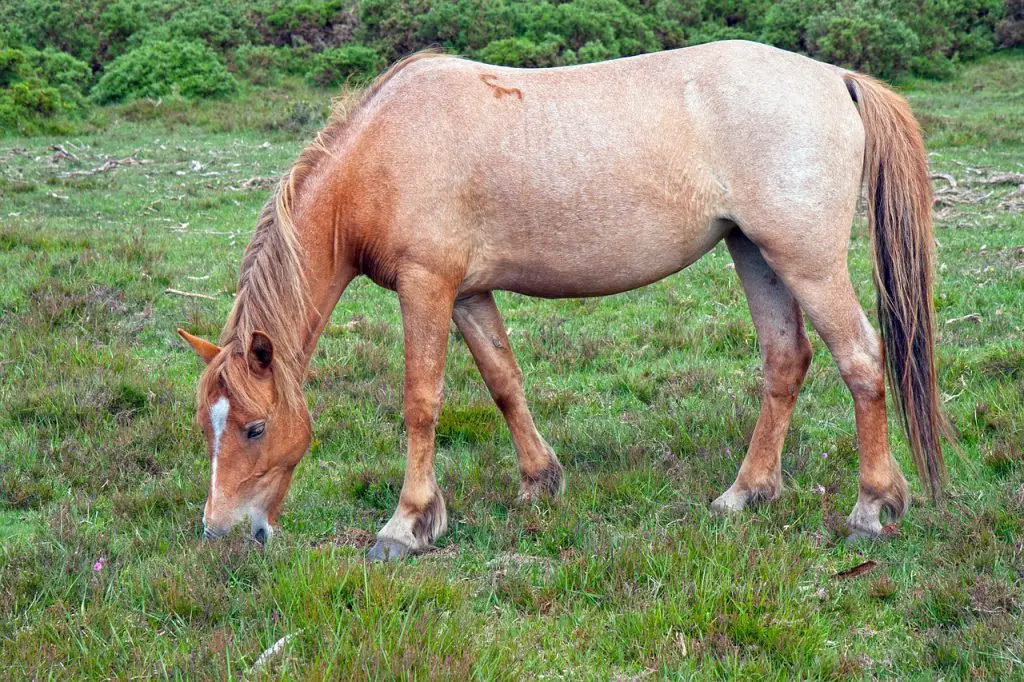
(821, 283)
(785, 356)
(480, 323)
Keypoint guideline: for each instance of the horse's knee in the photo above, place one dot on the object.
(421, 411)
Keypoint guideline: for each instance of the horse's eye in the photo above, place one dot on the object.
(255, 430)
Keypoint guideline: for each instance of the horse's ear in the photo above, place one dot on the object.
(261, 353)
(203, 348)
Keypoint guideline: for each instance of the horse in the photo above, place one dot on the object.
(452, 179)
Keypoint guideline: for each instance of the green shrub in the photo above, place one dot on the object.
(264, 64)
(352, 63)
(394, 25)
(31, 106)
(525, 33)
(520, 52)
(159, 68)
(593, 51)
(39, 90)
(623, 31)
(70, 76)
(66, 25)
(14, 66)
(34, 97)
(863, 38)
(785, 23)
(118, 23)
(222, 28)
(886, 37)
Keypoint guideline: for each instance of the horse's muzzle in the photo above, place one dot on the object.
(211, 533)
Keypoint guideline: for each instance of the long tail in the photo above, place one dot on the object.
(900, 223)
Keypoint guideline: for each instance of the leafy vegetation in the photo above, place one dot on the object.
(132, 48)
(340, 65)
(158, 68)
(39, 86)
(649, 398)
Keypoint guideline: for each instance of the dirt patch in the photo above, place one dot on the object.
(351, 538)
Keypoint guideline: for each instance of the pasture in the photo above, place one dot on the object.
(648, 398)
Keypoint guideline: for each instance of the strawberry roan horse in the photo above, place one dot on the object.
(452, 179)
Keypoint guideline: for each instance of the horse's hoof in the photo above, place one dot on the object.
(857, 535)
(388, 550)
(729, 502)
(864, 522)
(549, 482)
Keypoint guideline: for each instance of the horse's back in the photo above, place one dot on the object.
(649, 157)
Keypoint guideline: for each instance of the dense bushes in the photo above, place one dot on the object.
(39, 89)
(862, 37)
(134, 48)
(158, 68)
(350, 63)
(887, 37)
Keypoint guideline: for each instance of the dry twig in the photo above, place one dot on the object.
(189, 294)
(108, 165)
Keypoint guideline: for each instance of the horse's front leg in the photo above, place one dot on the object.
(426, 303)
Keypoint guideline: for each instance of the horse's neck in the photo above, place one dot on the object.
(328, 272)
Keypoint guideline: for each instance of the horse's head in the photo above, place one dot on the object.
(255, 437)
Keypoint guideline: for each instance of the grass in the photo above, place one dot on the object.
(648, 398)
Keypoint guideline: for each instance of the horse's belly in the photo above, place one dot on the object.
(601, 260)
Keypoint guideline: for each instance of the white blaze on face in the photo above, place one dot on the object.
(218, 422)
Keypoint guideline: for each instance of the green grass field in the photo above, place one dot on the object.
(648, 399)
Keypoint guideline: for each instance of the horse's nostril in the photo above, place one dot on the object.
(260, 535)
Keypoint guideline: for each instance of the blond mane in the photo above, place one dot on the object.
(273, 294)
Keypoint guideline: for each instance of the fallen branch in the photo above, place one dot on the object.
(62, 152)
(944, 176)
(108, 165)
(189, 294)
(1004, 179)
